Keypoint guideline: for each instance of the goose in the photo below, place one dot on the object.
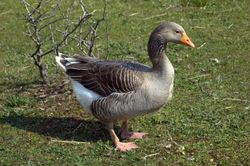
(120, 90)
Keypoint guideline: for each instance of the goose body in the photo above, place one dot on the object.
(121, 90)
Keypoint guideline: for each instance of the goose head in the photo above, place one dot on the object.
(172, 32)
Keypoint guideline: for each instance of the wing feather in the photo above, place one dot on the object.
(106, 77)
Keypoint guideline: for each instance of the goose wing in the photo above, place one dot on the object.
(106, 77)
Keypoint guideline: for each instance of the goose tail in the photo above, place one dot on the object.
(64, 61)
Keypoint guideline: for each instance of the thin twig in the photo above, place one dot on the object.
(81, 40)
(27, 5)
(83, 19)
(150, 155)
(202, 75)
(50, 23)
(94, 29)
(159, 15)
(230, 26)
(69, 142)
(133, 14)
(233, 99)
(106, 29)
(202, 45)
(52, 34)
(83, 7)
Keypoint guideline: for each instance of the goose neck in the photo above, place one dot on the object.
(156, 51)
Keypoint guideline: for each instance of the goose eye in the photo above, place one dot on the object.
(177, 31)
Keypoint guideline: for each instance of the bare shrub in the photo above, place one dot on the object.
(52, 25)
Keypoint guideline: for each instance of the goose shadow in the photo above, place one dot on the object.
(63, 128)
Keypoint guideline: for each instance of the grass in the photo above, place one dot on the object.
(208, 116)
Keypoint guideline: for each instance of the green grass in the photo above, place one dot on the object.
(203, 116)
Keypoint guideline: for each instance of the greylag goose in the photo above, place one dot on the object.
(120, 90)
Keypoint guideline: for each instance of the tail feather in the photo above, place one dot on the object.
(64, 61)
(59, 58)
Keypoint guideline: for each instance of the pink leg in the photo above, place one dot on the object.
(123, 147)
(126, 134)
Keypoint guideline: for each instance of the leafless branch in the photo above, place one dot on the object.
(52, 34)
(52, 27)
(35, 36)
(50, 23)
(83, 19)
(94, 29)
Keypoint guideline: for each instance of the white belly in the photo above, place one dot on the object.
(84, 95)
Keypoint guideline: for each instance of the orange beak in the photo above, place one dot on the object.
(186, 41)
